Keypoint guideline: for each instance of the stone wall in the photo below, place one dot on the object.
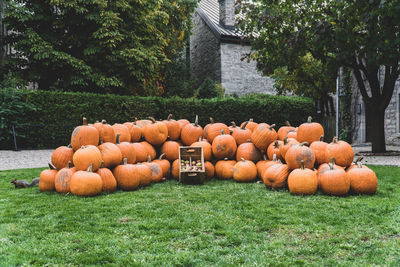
(205, 57)
(240, 77)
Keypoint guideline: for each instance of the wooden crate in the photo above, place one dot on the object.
(191, 154)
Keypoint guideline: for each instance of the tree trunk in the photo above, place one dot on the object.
(377, 120)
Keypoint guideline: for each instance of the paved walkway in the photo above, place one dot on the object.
(39, 158)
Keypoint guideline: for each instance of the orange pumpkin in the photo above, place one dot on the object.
(320, 151)
(309, 131)
(86, 183)
(355, 164)
(106, 131)
(210, 169)
(142, 123)
(175, 169)
(155, 133)
(292, 134)
(164, 164)
(248, 151)
(171, 150)
(251, 125)
(136, 132)
(174, 128)
(287, 143)
(140, 151)
(334, 181)
(284, 130)
(264, 164)
(244, 171)
(274, 149)
(110, 154)
(224, 168)
(263, 135)
(123, 131)
(302, 181)
(341, 151)
(127, 151)
(276, 176)
(223, 146)
(108, 179)
(326, 166)
(363, 180)
(207, 149)
(144, 174)
(63, 178)
(150, 150)
(214, 130)
(242, 134)
(47, 179)
(191, 132)
(296, 154)
(183, 122)
(156, 173)
(61, 156)
(127, 176)
(84, 135)
(86, 156)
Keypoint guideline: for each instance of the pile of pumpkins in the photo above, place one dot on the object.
(103, 157)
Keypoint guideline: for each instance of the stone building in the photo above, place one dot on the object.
(216, 50)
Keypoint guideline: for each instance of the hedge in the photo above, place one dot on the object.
(49, 117)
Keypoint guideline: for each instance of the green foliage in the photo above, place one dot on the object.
(101, 46)
(221, 223)
(57, 113)
(207, 89)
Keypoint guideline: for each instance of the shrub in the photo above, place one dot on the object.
(208, 89)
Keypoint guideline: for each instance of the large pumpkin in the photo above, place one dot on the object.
(156, 173)
(191, 132)
(86, 183)
(363, 180)
(183, 122)
(86, 156)
(326, 166)
(127, 176)
(127, 151)
(84, 135)
(223, 146)
(274, 149)
(140, 151)
(123, 131)
(214, 129)
(142, 123)
(284, 130)
(143, 173)
(263, 135)
(264, 164)
(106, 131)
(224, 168)
(61, 156)
(244, 171)
(207, 149)
(341, 151)
(276, 176)
(319, 148)
(309, 131)
(110, 154)
(47, 179)
(248, 151)
(171, 150)
(298, 153)
(164, 164)
(108, 179)
(302, 181)
(149, 149)
(155, 133)
(241, 134)
(250, 124)
(334, 182)
(287, 143)
(174, 128)
(63, 178)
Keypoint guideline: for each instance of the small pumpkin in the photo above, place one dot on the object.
(127, 151)
(191, 132)
(156, 173)
(136, 132)
(287, 143)
(302, 181)
(150, 150)
(276, 176)
(171, 150)
(165, 165)
(106, 131)
(183, 122)
(110, 154)
(86, 156)
(84, 135)
(274, 149)
(248, 151)
(334, 182)
(297, 153)
(264, 164)
(210, 169)
(61, 156)
(63, 178)
(214, 129)
(123, 131)
(363, 180)
(224, 168)
(309, 131)
(244, 171)
(108, 179)
(86, 183)
(174, 128)
(140, 151)
(47, 179)
(341, 151)
(292, 134)
(263, 135)
(251, 125)
(241, 134)
(155, 133)
(320, 151)
(284, 130)
(175, 169)
(223, 146)
(127, 176)
(207, 149)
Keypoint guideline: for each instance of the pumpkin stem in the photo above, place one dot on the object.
(84, 121)
(332, 161)
(148, 158)
(169, 117)
(161, 156)
(90, 168)
(321, 139)
(51, 166)
(330, 166)
(103, 121)
(70, 165)
(102, 164)
(152, 119)
(265, 157)
(303, 144)
(233, 124)
(274, 158)
(211, 120)
(136, 119)
(117, 141)
(285, 141)
(272, 126)
(225, 158)
(244, 125)
(359, 164)
(288, 124)
(302, 164)
(309, 120)
(358, 160)
(242, 159)
(100, 141)
(222, 131)
(276, 144)
(335, 140)
(196, 121)
(69, 146)
(251, 120)
(125, 161)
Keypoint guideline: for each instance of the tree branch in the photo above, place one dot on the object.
(361, 85)
(388, 87)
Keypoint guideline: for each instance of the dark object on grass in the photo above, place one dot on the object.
(24, 183)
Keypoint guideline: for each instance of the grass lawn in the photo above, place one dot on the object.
(219, 223)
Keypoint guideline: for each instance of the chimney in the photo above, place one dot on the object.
(227, 13)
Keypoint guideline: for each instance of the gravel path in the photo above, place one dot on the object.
(10, 160)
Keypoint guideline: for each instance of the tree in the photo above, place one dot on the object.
(361, 35)
(102, 46)
(207, 89)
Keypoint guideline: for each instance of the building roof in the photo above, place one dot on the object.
(209, 12)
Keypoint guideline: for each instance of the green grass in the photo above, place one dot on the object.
(219, 223)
